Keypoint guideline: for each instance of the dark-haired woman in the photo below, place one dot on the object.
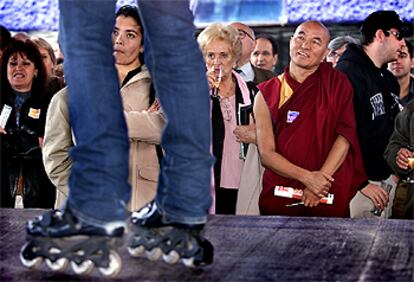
(22, 90)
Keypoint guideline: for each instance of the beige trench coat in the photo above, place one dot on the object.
(144, 131)
(57, 141)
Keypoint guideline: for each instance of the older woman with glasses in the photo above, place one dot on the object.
(221, 48)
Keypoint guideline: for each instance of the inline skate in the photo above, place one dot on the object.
(61, 238)
(153, 238)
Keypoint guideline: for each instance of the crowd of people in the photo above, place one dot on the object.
(336, 123)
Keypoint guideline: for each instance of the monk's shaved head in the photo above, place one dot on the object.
(309, 46)
(316, 25)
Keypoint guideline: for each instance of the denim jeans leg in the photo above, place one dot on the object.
(98, 182)
(178, 72)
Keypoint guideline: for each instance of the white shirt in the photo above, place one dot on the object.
(247, 72)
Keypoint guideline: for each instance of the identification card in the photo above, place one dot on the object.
(34, 113)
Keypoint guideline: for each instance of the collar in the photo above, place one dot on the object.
(130, 75)
(247, 72)
(143, 74)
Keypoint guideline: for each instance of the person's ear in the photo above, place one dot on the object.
(380, 35)
(325, 54)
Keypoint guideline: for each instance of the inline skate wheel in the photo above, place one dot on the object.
(136, 252)
(82, 269)
(29, 263)
(114, 267)
(58, 265)
(171, 258)
(154, 254)
(188, 262)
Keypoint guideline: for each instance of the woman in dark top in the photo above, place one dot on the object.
(23, 78)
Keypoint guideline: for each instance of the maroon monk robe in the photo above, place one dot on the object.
(324, 104)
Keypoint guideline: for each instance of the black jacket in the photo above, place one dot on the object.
(262, 75)
(22, 155)
(376, 105)
(23, 141)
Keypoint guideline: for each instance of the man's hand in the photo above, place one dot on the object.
(246, 133)
(376, 194)
(318, 182)
(3, 131)
(402, 158)
(309, 199)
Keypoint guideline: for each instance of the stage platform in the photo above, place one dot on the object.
(254, 249)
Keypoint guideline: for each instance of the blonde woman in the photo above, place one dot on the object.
(221, 48)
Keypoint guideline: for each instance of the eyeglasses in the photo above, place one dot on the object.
(334, 55)
(398, 35)
(243, 34)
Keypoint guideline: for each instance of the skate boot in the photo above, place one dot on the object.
(152, 238)
(60, 238)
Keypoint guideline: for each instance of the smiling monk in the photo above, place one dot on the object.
(306, 131)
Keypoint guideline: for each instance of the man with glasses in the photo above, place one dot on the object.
(244, 67)
(376, 105)
(247, 133)
(251, 74)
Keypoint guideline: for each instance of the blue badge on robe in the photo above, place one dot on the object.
(291, 116)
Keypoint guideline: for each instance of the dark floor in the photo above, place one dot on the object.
(254, 249)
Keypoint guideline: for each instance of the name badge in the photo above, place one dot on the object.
(34, 113)
(291, 116)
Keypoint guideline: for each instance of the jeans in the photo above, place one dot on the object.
(98, 182)
(178, 72)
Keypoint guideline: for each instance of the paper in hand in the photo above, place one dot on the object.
(4, 116)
